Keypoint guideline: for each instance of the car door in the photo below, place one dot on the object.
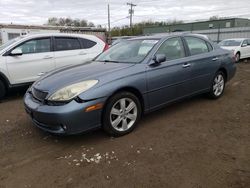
(68, 51)
(35, 59)
(167, 80)
(204, 62)
(244, 49)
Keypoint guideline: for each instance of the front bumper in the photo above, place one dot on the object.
(70, 118)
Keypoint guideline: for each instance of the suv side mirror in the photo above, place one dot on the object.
(16, 52)
(244, 45)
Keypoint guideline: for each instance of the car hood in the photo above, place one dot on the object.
(229, 47)
(69, 75)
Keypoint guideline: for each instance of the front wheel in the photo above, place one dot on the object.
(2, 90)
(121, 114)
(218, 85)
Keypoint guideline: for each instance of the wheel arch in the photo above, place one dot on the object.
(130, 89)
(222, 69)
(5, 80)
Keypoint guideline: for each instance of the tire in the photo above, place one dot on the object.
(237, 57)
(218, 85)
(2, 90)
(118, 120)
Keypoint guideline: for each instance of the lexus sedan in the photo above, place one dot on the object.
(132, 78)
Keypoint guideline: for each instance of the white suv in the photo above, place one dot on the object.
(239, 46)
(23, 60)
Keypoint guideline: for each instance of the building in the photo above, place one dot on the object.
(216, 30)
(197, 26)
(10, 31)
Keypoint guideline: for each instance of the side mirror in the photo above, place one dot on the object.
(16, 52)
(159, 58)
(243, 45)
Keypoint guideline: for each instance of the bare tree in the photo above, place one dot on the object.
(69, 22)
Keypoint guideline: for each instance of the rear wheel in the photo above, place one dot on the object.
(2, 90)
(121, 114)
(218, 85)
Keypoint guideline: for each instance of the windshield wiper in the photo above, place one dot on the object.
(109, 61)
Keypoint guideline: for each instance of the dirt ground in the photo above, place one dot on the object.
(197, 143)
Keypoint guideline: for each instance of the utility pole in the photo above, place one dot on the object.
(109, 30)
(131, 12)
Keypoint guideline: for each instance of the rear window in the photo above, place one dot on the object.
(86, 43)
(65, 43)
(196, 46)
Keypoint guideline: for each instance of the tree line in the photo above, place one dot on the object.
(69, 22)
(116, 31)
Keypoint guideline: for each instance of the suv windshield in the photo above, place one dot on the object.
(230, 43)
(128, 51)
(10, 42)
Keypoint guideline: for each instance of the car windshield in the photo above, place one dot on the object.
(230, 43)
(128, 51)
(8, 43)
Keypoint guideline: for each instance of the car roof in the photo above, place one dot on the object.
(168, 35)
(33, 35)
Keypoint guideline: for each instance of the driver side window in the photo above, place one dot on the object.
(244, 43)
(35, 46)
(172, 49)
(248, 42)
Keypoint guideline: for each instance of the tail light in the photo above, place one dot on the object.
(106, 47)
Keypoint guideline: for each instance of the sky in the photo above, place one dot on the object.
(36, 12)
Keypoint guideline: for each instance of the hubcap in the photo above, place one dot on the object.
(218, 86)
(123, 114)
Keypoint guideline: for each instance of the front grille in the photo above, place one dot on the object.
(39, 95)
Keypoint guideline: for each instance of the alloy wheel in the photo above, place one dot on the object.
(123, 114)
(219, 84)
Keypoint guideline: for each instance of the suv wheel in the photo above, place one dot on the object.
(121, 114)
(2, 90)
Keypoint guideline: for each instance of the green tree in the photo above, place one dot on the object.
(138, 27)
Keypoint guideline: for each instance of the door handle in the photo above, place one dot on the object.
(41, 73)
(48, 57)
(215, 59)
(186, 65)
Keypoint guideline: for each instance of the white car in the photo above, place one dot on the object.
(239, 46)
(23, 60)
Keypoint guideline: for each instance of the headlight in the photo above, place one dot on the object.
(69, 92)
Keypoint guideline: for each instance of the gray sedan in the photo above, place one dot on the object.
(132, 78)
